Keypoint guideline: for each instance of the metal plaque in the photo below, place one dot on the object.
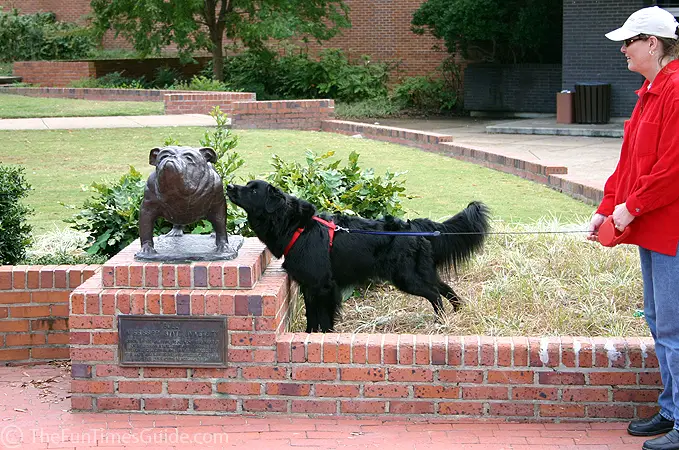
(184, 341)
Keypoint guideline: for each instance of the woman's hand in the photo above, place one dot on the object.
(594, 225)
(622, 217)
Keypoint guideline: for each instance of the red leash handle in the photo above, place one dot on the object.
(609, 236)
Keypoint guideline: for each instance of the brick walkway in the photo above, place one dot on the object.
(34, 415)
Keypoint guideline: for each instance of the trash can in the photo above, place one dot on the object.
(564, 107)
(592, 102)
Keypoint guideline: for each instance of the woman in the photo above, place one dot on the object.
(643, 194)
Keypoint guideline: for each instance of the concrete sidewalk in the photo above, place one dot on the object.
(34, 414)
(71, 123)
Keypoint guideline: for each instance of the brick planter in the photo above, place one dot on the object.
(271, 371)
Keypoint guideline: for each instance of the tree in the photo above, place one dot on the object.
(192, 25)
(504, 31)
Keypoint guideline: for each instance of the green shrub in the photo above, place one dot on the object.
(59, 259)
(424, 94)
(113, 80)
(40, 37)
(343, 81)
(60, 246)
(165, 77)
(15, 233)
(200, 83)
(500, 31)
(380, 107)
(111, 216)
(295, 75)
(347, 190)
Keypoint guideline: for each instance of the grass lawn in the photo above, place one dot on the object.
(58, 162)
(19, 106)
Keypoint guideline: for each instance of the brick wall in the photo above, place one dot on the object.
(589, 56)
(290, 114)
(512, 88)
(271, 371)
(135, 95)
(63, 73)
(34, 311)
(70, 11)
(380, 28)
(53, 73)
(203, 102)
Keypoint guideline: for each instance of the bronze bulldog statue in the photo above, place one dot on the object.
(183, 189)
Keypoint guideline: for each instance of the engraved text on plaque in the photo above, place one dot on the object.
(172, 341)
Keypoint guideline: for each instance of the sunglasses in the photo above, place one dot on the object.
(641, 37)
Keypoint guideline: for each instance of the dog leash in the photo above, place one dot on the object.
(608, 234)
(439, 233)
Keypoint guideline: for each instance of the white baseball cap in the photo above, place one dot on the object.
(652, 21)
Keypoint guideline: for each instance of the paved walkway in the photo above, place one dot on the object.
(34, 414)
(70, 123)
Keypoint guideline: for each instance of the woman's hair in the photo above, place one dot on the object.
(670, 46)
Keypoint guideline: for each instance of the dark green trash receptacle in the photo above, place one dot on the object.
(592, 102)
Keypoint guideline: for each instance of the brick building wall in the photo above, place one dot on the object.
(527, 88)
(66, 11)
(589, 56)
(380, 28)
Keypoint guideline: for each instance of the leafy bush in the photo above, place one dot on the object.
(296, 75)
(381, 107)
(111, 216)
(424, 94)
(199, 83)
(343, 81)
(348, 190)
(40, 36)
(15, 233)
(61, 246)
(502, 31)
(113, 80)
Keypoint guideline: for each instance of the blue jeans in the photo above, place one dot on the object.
(660, 275)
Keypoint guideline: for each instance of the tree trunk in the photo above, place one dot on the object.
(217, 58)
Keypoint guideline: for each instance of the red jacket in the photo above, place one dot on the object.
(647, 175)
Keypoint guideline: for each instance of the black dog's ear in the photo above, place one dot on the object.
(274, 199)
(153, 156)
(307, 210)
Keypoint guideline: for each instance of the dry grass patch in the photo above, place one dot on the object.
(521, 285)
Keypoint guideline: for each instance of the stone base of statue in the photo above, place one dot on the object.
(191, 247)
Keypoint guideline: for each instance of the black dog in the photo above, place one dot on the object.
(323, 260)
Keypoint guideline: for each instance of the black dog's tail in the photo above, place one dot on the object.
(451, 249)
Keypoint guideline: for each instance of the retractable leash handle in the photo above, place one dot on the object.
(609, 236)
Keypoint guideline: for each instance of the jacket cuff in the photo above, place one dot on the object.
(634, 206)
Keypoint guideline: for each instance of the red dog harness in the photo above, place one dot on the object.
(331, 233)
